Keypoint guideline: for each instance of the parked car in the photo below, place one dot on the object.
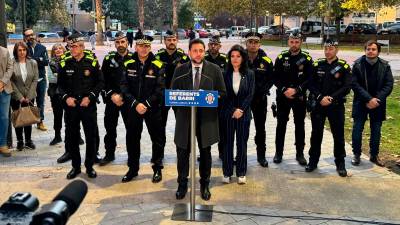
(262, 29)
(150, 33)
(360, 28)
(292, 30)
(391, 29)
(16, 36)
(181, 33)
(203, 33)
(246, 31)
(48, 35)
(276, 30)
(213, 32)
(312, 27)
(236, 30)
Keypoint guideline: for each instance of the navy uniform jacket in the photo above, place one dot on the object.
(330, 80)
(171, 62)
(143, 83)
(292, 71)
(221, 60)
(79, 79)
(263, 71)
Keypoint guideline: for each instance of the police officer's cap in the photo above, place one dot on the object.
(75, 38)
(120, 35)
(295, 35)
(214, 40)
(144, 40)
(170, 34)
(331, 42)
(253, 36)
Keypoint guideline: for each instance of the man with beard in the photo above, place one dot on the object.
(372, 84)
(213, 55)
(263, 69)
(142, 89)
(172, 57)
(38, 52)
(293, 68)
(113, 68)
(195, 75)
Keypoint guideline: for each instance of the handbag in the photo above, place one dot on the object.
(25, 116)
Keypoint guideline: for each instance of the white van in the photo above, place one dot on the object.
(237, 30)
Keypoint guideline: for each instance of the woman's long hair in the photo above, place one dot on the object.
(244, 65)
(15, 51)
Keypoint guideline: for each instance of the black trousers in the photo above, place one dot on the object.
(259, 109)
(335, 115)
(15, 104)
(134, 133)
(222, 134)
(183, 155)
(111, 115)
(284, 106)
(73, 117)
(58, 111)
(241, 128)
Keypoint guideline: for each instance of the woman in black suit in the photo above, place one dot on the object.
(239, 81)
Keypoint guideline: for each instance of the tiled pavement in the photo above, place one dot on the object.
(281, 191)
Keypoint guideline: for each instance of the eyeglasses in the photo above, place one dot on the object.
(29, 35)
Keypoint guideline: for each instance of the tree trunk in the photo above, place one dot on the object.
(141, 14)
(175, 4)
(99, 15)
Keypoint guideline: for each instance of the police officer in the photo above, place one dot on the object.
(172, 57)
(262, 66)
(79, 83)
(293, 68)
(213, 55)
(113, 68)
(329, 85)
(142, 88)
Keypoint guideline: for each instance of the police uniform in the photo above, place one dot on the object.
(65, 157)
(144, 83)
(221, 61)
(263, 69)
(80, 79)
(113, 68)
(170, 63)
(291, 71)
(334, 80)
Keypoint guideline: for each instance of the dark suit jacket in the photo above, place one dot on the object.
(39, 53)
(243, 98)
(25, 89)
(211, 79)
(361, 94)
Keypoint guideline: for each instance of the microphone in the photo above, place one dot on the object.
(63, 205)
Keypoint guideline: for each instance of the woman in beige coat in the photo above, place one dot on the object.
(24, 81)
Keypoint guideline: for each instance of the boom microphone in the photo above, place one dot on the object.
(63, 205)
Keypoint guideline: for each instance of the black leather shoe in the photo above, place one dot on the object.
(198, 158)
(277, 158)
(20, 145)
(81, 141)
(301, 160)
(205, 192)
(73, 173)
(64, 158)
(181, 192)
(91, 173)
(157, 176)
(377, 161)
(341, 169)
(310, 167)
(356, 160)
(97, 158)
(56, 140)
(263, 162)
(30, 145)
(129, 176)
(106, 160)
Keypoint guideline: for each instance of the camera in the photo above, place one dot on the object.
(20, 208)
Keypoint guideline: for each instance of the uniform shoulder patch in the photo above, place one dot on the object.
(161, 50)
(305, 52)
(127, 62)
(181, 50)
(158, 63)
(267, 59)
(94, 63)
(222, 54)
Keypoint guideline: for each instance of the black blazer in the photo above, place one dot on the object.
(360, 88)
(243, 98)
(211, 79)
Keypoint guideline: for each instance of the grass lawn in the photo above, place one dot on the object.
(344, 46)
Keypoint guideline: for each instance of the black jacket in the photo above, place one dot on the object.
(360, 88)
(292, 71)
(243, 98)
(263, 69)
(171, 62)
(143, 83)
(79, 79)
(221, 60)
(39, 53)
